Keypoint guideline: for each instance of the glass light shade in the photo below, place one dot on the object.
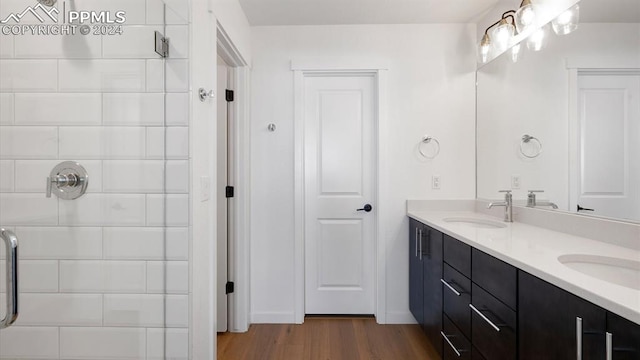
(484, 49)
(525, 17)
(501, 35)
(567, 22)
(538, 39)
(516, 52)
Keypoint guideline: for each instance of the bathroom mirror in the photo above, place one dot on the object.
(566, 119)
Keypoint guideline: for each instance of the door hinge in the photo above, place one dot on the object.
(161, 44)
(230, 287)
(229, 95)
(230, 191)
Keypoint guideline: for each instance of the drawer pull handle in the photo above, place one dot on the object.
(609, 346)
(416, 241)
(579, 338)
(420, 236)
(450, 287)
(446, 338)
(494, 326)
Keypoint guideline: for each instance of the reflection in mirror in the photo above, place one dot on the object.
(580, 98)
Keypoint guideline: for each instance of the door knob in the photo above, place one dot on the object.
(366, 208)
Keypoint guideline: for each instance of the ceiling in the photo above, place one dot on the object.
(331, 12)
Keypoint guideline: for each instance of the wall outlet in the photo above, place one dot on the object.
(435, 182)
(205, 189)
(515, 182)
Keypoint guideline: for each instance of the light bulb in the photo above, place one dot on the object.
(484, 49)
(501, 35)
(525, 16)
(567, 22)
(516, 52)
(538, 39)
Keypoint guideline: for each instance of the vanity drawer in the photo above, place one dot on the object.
(456, 289)
(458, 255)
(475, 354)
(496, 277)
(493, 326)
(454, 341)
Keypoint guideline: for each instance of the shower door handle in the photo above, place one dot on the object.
(11, 244)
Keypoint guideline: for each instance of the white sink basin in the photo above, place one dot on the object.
(614, 270)
(476, 223)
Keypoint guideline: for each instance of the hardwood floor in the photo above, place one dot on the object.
(327, 338)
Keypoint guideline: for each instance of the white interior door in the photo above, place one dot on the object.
(339, 179)
(609, 153)
(221, 198)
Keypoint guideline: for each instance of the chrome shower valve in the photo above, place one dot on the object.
(68, 181)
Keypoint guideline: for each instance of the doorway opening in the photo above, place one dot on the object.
(232, 165)
(224, 193)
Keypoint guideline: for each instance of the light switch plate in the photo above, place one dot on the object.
(515, 182)
(205, 188)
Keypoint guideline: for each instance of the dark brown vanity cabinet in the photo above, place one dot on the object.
(416, 274)
(475, 306)
(555, 324)
(624, 336)
(477, 289)
(425, 273)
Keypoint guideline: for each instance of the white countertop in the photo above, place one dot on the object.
(536, 251)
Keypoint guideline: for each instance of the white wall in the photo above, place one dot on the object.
(532, 96)
(231, 17)
(431, 91)
(94, 270)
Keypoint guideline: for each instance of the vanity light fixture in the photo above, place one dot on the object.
(567, 22)
(538, 39)
(499, 38)
(484, 49)
(516, 52)
(525, 16)
(524, 20)
(503, 33)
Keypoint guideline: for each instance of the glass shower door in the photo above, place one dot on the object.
(103, 261)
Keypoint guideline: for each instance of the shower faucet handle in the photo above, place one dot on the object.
(68, 180)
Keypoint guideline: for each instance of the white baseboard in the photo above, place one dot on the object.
(285, 317)
(400, 317)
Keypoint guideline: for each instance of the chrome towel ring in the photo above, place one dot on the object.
(426, 140)
(533, 143)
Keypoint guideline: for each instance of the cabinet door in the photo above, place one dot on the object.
(416, 293)
(625, 336)
(432, 265)
(549, 323)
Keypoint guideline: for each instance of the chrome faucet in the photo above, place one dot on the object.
(532, 202)
(507, 203)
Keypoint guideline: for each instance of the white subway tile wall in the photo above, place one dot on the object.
(103, 275)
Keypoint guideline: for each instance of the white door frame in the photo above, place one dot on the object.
(202, 270)
(300, 71)
(239, 259)
(574, 131)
